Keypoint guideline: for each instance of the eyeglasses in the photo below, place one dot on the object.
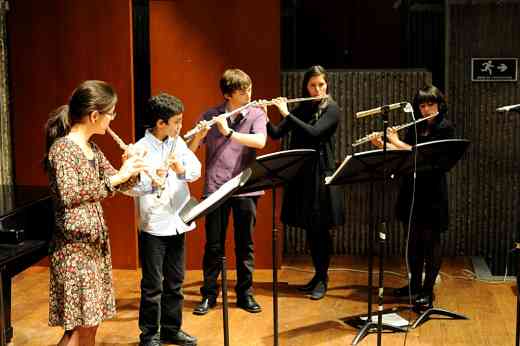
(112, 116)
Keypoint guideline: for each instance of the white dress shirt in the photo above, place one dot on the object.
(159, 211)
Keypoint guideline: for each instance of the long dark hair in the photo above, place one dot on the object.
(313, 71)
(89, 96)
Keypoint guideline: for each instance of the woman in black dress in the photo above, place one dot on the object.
(308, 203)
(430, 211)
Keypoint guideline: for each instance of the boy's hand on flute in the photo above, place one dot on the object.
(176, 165)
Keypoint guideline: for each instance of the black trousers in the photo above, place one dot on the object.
(319, 240)
(424, 254)
(244, 220)
(162, 260)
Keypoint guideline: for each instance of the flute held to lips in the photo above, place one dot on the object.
(136, 150)
(259, 103)
(373, 135)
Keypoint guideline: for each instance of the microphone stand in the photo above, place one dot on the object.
(381, 235)
(382, 231)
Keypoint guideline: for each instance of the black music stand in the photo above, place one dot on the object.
(440, 156)
(268, 171)
(516, 248)
(371, 166)
(194, 209)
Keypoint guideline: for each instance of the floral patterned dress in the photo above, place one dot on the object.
(81, 292)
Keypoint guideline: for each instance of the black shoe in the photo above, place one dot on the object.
(204, 306)
(309, 286)
(147, 341)
(424, 300)
(404, 291)
(249, 304)
(319, 290)
(181, 338)
(150, 343)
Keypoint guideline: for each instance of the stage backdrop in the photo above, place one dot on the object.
(190, 48)
(356, 90)
(53, 46)
(484, 186)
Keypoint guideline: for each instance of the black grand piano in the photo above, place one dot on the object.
(27, 208)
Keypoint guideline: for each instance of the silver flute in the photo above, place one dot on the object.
(378, 134)
(166, 165)
(259, 103)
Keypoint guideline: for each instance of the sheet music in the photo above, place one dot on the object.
(331, 178)
(191, 211)
(392, 319)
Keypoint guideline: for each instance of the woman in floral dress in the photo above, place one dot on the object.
(80, 176)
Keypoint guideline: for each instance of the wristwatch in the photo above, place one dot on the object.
(230, 133)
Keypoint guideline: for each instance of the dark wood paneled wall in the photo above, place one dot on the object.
(53, 46)
(191, 44)
(485, 200)
(484, 186)
(357, 90)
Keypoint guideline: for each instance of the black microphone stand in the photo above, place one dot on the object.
(381, 236)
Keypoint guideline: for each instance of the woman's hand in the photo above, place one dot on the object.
(281, 104)
(392, 135)
(132, 166)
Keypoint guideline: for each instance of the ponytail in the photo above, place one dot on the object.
(57, 126)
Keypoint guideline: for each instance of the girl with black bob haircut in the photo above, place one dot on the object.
(430, 211)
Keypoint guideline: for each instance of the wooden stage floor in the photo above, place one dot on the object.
(490, 307)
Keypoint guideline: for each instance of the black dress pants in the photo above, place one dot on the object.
(162, 260)
(424, 254)
(244, 220)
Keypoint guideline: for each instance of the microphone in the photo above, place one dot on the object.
(514, 108)
(381, 109)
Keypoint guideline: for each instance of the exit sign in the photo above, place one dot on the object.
(494, 69)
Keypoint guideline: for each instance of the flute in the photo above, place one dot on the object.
(135, 150)
(166, 163)
(188, 136)
(378, 134)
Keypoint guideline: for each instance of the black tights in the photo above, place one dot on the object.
(424, 253)
(320, 243)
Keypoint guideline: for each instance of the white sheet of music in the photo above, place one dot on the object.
(193, 211)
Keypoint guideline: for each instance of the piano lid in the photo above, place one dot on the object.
(15, 197)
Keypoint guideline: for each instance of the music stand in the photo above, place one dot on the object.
(194, 209)
(370, 166)
(438, 156)
(267, 171)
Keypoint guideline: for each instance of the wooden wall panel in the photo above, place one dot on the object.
(192, 43)
(53, 46)
(486, 197)
(357, 90)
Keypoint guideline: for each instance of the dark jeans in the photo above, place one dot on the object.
(162, 260)
(424, 253)
(320, 244)
(244, 219)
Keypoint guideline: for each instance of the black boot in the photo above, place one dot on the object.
(309, 286)
(424, 300)
(319, 290)
(405, 291)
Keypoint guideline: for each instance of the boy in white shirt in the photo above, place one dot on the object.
(161, 229)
